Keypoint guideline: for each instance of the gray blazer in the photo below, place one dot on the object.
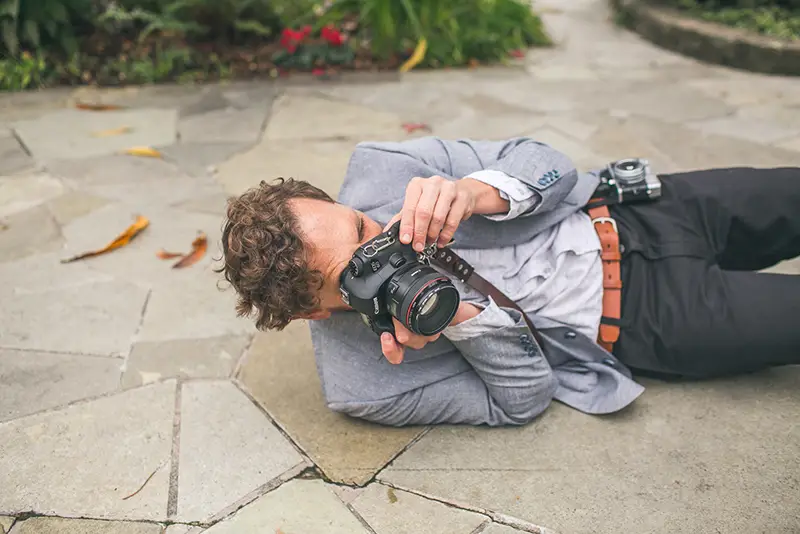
(505, 378)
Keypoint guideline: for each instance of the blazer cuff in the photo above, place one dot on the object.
(490, 318)
(521, 198)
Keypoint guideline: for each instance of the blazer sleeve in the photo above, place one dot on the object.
(509, 383)
(545, 171)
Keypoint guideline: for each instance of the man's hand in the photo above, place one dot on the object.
(434, 207)
(394, 347)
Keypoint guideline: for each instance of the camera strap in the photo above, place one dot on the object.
(461, 269)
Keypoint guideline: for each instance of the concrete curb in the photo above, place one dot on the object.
(707, 41)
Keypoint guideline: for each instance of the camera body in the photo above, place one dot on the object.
(629, 180)
(386, 278)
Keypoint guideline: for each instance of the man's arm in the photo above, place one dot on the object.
(510, 382)
(539, 176)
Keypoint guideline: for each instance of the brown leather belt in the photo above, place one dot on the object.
(611, 256)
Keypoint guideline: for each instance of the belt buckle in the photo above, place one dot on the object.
(608, 220)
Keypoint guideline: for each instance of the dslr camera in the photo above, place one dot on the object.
(629, 180)
(386, 278)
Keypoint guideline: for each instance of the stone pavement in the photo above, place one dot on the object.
(134, 401)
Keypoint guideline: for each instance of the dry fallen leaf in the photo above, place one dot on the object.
(123, 239)
(96, 107)
(391, 494)
(144, 152)
(109, 133)
(412, 127)
(199, 248)
(164, 255)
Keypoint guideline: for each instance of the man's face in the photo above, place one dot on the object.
(333, 233)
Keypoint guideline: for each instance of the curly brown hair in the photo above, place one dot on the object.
(264, 256)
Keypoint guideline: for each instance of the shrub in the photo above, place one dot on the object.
(777, 18)
(456, 30)
(43, 24)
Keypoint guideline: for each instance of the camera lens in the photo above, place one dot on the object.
(629, 170)
(425, 300)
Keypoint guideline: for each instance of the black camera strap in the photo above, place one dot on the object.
(461, 269)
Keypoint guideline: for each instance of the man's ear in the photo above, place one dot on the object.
(316, 315)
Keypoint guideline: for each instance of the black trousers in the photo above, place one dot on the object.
(693, 305)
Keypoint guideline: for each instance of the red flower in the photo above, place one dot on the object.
(332, 35)
(318, 72)
(306, 31)
(517, 53)
(291, 38)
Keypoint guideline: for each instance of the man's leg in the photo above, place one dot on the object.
(751, 216)
(693, 319)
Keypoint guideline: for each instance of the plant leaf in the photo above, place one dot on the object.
(121, 240)
(164, 255)
(144, 152)
(96, 107)
(110, 133)
(199, 248)
(416, 57)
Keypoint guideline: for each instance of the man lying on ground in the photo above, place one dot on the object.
(557, 285)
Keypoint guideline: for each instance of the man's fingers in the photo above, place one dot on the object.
(424, 212)
(407, 214)
(442, 210)
(390, 348)
(458, 212)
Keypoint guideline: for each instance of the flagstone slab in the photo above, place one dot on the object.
(192, 307)
(301, 506)
(322, 163)
(228, 448)
(178, 529)
(686, 457)
(299, 117)
(113, 169)
(24, 191)
(57, 525)
(183, 358)
(391, 511)
(280, 372)
(673, 104)
(496, 528)
(687, 149)
(750, 128)
(223, 125)
(75, 134)
(172, 230)
(791, 144)
(214, 204)
(202, 159)
(43, 273)
(13, 158)
(83, 460)
(28, 232)
(5, 524)
(33, 381)
(98, 318)
(73, 205)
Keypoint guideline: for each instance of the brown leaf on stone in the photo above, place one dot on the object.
(164, 255)
(3, 226)
(143, 151)
(123, 239)
(110, 133)
(97, 107)
(199, 248)
(411, 127)
(392, 495)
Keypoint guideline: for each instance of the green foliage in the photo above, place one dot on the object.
(456, 30)
(41, 24)
(776, 18)
(202, 20)
(27, 72)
